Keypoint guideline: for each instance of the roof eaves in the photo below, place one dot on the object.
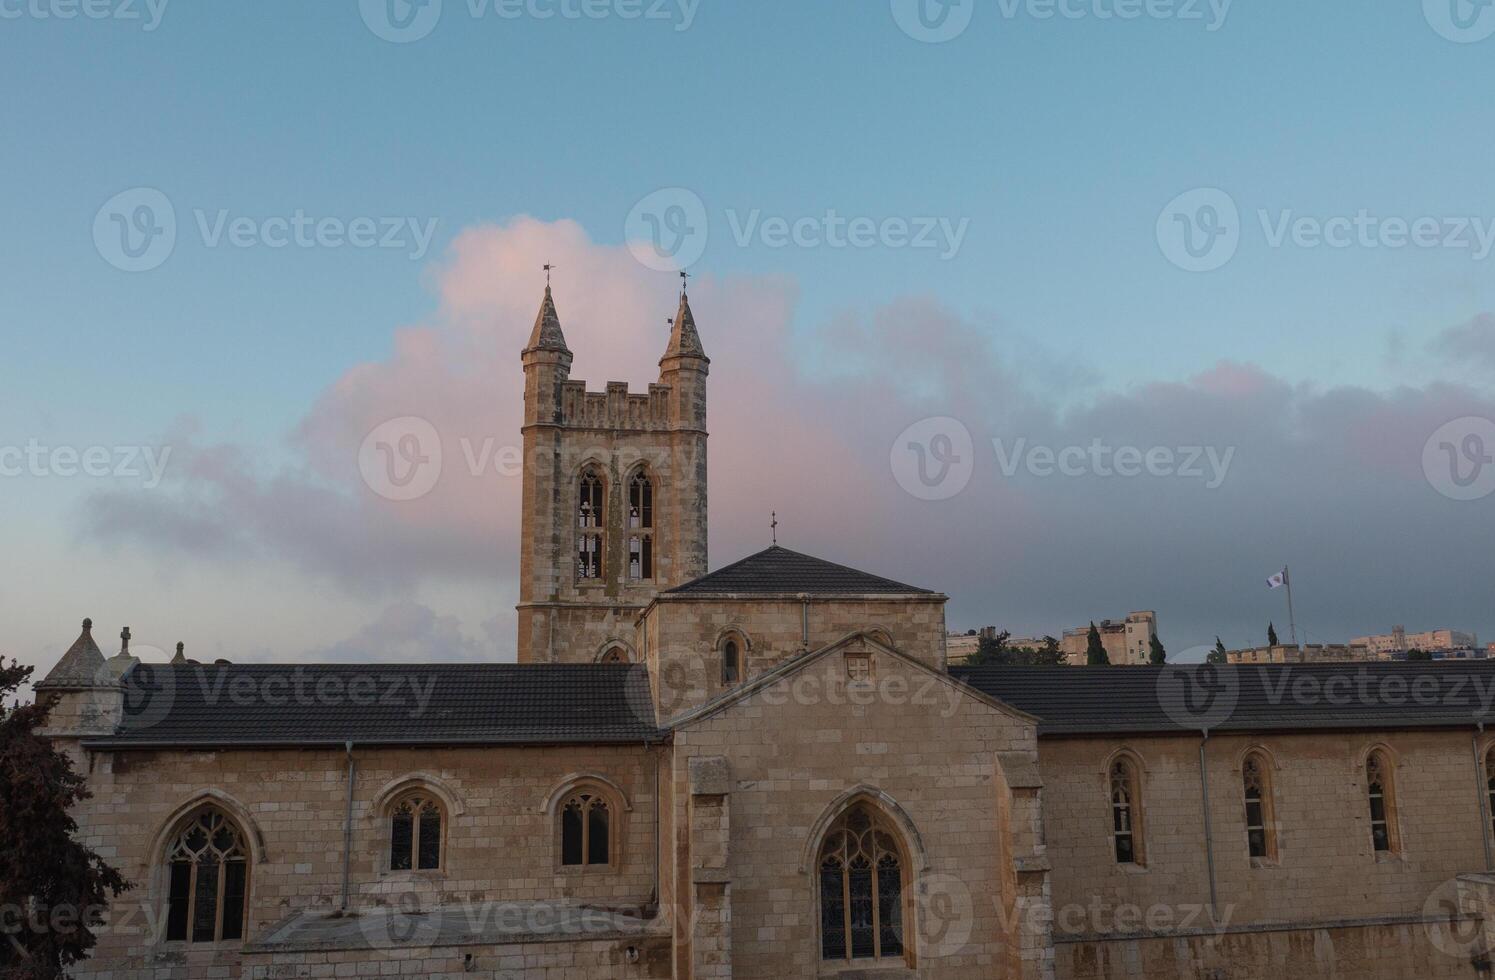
(125, 743)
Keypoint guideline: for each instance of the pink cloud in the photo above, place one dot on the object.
(802, 422)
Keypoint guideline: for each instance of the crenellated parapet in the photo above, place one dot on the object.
(616, 408)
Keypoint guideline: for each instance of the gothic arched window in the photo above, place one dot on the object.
(1126, 812)
(641, 527)
(415, 833)
(1490, 784)
(586, 830)
(1380, 790)
(861, 889)
(208, 888)
(590, 521)
(615, 655)
(731, 663)
(1261, 831)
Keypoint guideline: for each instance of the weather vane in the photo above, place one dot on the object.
(548, 267)
(684, 281)
(774, 528)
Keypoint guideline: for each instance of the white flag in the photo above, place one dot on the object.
(1277, 581)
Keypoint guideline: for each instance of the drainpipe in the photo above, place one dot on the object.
(658, 851)
(348, 829)
(1481, 789)
(804, 620)
(1209, 837)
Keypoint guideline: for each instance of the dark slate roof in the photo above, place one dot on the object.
(385, 704)
(1258, 697)
(781, 570)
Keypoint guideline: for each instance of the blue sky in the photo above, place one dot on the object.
(1057, 141)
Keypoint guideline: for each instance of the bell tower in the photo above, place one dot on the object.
(614, 494)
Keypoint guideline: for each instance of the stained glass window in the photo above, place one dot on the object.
(861, 889)
(208, 880)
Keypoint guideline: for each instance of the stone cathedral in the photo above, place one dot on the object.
(767, 770)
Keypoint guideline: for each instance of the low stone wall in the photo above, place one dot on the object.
(1425, 949)
(642, 957)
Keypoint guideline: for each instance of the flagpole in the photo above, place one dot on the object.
(1292, 626)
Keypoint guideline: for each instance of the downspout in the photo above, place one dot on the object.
(1209, 837)
(658, 831)
(804, 620)
(348, 829)
(1482, 790)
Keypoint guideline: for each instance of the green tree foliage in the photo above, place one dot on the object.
(996, 651)
(1095, 651)
(991, 651)
(62, 886)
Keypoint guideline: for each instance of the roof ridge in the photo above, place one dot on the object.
(809, 566)
(400, 665)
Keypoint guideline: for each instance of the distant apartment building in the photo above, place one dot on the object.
(1384, 645)
(1358, 650)
(1457, 653)
(961, 647)
(1126, 642)
(1312, 653)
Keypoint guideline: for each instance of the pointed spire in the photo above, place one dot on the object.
(81, 667)
(684, 341)
(181, 655)
(547, 333)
